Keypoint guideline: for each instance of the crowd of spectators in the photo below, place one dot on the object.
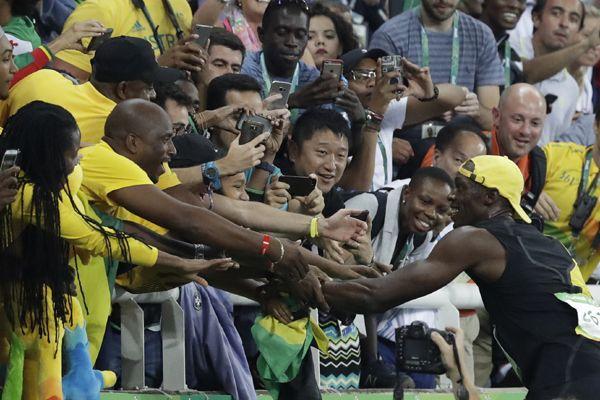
(245, 166)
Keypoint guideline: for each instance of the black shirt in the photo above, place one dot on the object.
(533, 327)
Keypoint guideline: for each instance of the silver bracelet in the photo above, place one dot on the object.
(282, 253)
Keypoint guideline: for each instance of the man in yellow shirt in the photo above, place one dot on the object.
(124, 68)
(118, 177)
(162, 23)
(569, 201)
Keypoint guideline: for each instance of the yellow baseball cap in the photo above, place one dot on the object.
(500, 173)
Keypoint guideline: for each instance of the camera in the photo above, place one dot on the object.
(582, 213)
(416, 352)
(392, 63)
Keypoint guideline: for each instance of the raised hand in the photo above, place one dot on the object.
(276, 193)
(185, 55)
(419, 80)
(341, 226)
(70, 39)
(322, 90)
(240, 157)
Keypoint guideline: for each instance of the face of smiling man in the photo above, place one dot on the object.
(519, 120)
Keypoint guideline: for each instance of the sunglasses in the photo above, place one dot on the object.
(363, 74)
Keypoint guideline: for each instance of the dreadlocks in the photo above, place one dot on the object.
(34, 259)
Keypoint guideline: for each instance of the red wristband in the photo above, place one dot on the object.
(266, 243)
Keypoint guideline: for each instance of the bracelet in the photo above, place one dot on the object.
(266, 243)
(436, 94)
(314, 228)
(282, 253)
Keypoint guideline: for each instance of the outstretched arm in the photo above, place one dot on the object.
(446, 261)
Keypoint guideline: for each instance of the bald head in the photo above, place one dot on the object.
(141, 131)
(137, 117)
(523, 93)
(519, 120)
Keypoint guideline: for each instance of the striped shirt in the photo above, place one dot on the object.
(479, 64)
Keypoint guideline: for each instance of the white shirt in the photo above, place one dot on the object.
(562, 85)
(392, 119)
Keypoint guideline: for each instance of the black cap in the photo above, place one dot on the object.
(125, 58)
(353, 57)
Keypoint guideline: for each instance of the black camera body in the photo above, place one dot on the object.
(416, 352)
(583, 210)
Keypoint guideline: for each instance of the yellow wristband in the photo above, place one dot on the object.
(314, 231)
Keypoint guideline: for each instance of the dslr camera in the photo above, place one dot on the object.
(416, 352)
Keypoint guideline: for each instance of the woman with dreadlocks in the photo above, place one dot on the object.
(40, 232)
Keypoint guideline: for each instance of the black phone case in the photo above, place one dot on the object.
(299, 185)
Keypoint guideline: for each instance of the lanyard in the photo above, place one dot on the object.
(402, 256)
(507, 57)
(585, 175)
(455, 48)
(384, 157)
(267, 78)
(140, 4)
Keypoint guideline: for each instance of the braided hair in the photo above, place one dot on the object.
(34, 266)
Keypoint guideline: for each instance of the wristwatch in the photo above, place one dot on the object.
(211, 175)
(373, 120)
(436, 94)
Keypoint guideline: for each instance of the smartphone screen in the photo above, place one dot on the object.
(299, 185)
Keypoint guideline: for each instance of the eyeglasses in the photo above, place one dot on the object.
(182, 129)
(363, 75)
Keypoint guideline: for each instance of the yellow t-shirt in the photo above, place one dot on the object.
(88, 106)
(563, 175)
(75, 230)
(126, 20)
(106, 171)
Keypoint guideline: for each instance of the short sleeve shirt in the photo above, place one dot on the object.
(105, 171)
(478, 58)
(126, 20)
(563, 176)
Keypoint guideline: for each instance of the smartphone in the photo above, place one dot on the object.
(362, 216)
(97, 41)
(390, 64)
(252, 126)
(282, 88)
(9, 159)
(299, 185)
(203, 32)
(333, 67)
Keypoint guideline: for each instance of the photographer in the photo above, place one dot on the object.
(453, 370)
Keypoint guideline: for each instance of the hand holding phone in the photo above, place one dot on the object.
(282, 88)
(10, 159)
(363, 216)
(252, 126)
(203, 32)
(299, 185)
(333, 67)
(97, 41)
